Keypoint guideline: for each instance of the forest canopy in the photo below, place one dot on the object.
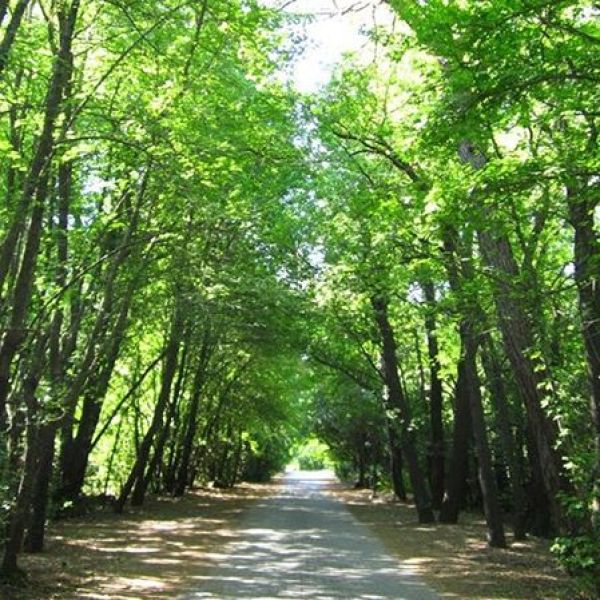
(201, 266)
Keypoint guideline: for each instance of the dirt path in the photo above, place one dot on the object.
(304, 544)
(201, 545)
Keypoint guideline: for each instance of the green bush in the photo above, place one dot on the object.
(580, 556)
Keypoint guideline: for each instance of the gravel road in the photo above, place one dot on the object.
(302, 543)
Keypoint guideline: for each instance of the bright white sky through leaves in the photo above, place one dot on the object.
(334, 30)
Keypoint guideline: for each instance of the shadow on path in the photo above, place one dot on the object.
(305, 544)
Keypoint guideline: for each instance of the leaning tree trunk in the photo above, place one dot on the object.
(156, 463)
(34, 189)
(397, 403)
(10, 33)
(518, 342)
(75, 451)
(517, 334)
(191, 424)
(75, 468)
(136, 480)
(58, 360)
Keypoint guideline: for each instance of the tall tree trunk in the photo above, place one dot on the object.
(35, 188)
(435, 400)
(136, 480)
(458, 262)
(396, 464)
(587, 276)
(192, 415)
(517, 335)
(459, 458)
(397, 403)
(36, 530)
(11, 30)
(99, 342)
(73, 475)
(518, 343)
(503, 422)
(487, 477)
(19, 512)
(157, 458)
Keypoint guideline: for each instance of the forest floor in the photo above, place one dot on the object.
(155, 552)
(455, 560)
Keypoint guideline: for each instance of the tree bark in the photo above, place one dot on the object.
(396, 464)
(136, 480)
(19, 512)
(518, 343)
(487, 477)
(11, 30)
(192, 416)
(459, 457)
(587, 276)
(435, 400)
(75, 465)
(503, 422)
(35, 188)
(398, 404)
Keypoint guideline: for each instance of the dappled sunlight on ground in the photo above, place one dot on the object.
(216, 540)
(150, 552)
(303, 544)
(455, 560)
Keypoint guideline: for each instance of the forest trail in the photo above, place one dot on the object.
(302, 543)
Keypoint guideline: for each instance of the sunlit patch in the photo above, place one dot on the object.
(138, 583)
(189, 549)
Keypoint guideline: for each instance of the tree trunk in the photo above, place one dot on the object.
(459, 458)
(503, 422)
(59, 355)
(458, 262)
(72, 460)
(487, 478)
(36, 531)
(192, 416)
(518, 342)
(10, 32)
(435, 400)
(396, 402)
(35, 188)
(75, 464)
(517, 335)
(137, 475)
(19, 512)
(587, 276)
(396, 465)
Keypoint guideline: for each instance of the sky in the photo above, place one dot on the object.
(334, 30)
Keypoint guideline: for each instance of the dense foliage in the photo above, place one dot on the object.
(198, 265)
